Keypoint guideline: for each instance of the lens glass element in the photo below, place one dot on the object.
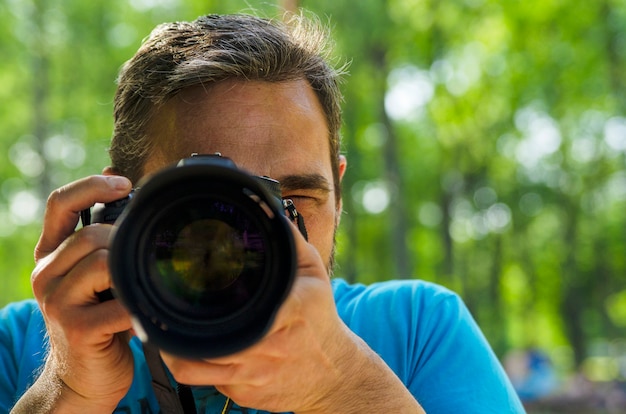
(208, 259)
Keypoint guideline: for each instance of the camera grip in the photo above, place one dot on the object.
(104, 213)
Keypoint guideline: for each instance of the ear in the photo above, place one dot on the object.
(108, 170)
(343, 164)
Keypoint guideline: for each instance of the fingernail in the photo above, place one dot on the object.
(119, 183)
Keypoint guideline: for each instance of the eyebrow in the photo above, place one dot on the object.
(305, 182)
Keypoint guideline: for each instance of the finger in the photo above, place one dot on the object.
(110, 317)
(119, 319)
(71, 251)
(70, 300)
(89, 276)
(65, 204)
(91, 325)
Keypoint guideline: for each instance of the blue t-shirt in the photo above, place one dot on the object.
(422, 331)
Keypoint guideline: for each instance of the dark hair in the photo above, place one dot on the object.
(214, 48)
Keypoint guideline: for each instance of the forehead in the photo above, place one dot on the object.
(264, 127)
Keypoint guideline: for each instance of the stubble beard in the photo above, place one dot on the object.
(330, 266)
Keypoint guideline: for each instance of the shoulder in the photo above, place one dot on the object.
(344, 290)
(400, 319)
(428, 337)
(415, 297)
(421, 316)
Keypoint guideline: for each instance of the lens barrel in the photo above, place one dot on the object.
(202, 257)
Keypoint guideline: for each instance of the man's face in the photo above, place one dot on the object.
(269, 129)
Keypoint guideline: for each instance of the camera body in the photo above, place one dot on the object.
(202, 256)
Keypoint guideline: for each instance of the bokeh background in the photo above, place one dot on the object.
(486, 143)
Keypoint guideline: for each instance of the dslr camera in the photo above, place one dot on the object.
(202, 256)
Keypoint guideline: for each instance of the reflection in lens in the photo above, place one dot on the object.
(209, 263)
(206, 256)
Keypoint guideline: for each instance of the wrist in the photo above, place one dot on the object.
(50, 394)
(69, 401)
(365, 384)
(347, 378)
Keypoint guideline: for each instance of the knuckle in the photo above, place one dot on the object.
(100, 260)
(36, 283)
(50, 307)
(56, 197)
(39, 278)
(90, 237)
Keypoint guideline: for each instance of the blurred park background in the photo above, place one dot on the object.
(486, 143)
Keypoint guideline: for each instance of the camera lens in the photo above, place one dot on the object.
(203, 257)
(206, 261)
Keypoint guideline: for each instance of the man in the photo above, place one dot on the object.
(262, 94)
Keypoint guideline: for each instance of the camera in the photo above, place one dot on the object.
(202, 256)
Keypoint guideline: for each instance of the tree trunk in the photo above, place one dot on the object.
(398, 217)
(574, 291)
(40, 69)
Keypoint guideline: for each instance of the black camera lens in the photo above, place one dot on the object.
(202, 257)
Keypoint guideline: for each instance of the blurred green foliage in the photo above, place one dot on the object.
(486, 143)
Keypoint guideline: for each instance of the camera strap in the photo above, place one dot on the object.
(175, 401)
(295, 217)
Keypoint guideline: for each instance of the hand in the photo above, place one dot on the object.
(308, 362)
(89, 359)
